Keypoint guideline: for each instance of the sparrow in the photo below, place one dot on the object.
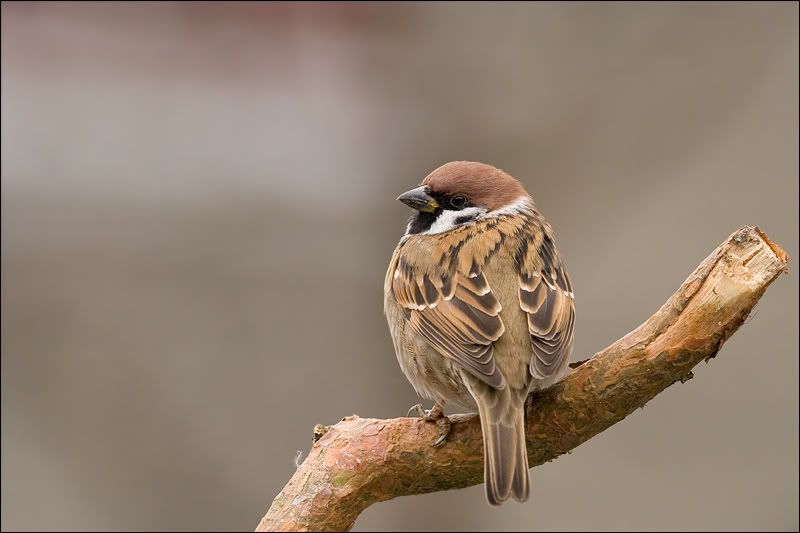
(480, 309)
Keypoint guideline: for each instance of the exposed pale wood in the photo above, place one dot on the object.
(361, 461)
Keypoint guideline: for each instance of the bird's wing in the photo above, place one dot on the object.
(452, 308)
(545, 294)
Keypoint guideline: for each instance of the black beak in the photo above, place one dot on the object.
(420, 200)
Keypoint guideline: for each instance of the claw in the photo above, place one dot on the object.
(416, 410)
(434, 414)
(444, 430)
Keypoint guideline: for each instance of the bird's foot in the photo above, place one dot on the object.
(434, 414)
(428, 415)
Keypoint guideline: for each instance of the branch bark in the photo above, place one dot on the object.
(361, 461)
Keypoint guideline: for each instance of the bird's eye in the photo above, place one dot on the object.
(458, 201)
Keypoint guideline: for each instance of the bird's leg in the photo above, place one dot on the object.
(434, 414)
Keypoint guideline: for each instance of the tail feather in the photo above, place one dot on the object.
(521, 487)
(505, 453)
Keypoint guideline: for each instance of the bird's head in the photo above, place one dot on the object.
(460, 193)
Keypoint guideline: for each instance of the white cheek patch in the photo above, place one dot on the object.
(447, 219)
(520, 204)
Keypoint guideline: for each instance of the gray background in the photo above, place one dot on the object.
(198, 210)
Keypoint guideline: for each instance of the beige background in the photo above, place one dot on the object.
(198, 208)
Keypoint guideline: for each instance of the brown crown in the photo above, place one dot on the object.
(484, 185)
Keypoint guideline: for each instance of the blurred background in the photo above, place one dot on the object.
(198, 208)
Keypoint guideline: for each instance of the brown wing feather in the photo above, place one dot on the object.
(547, 297)
(456, 313)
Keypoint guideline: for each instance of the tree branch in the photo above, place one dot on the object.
(360, 461)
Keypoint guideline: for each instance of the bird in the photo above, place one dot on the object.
(480, 309)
